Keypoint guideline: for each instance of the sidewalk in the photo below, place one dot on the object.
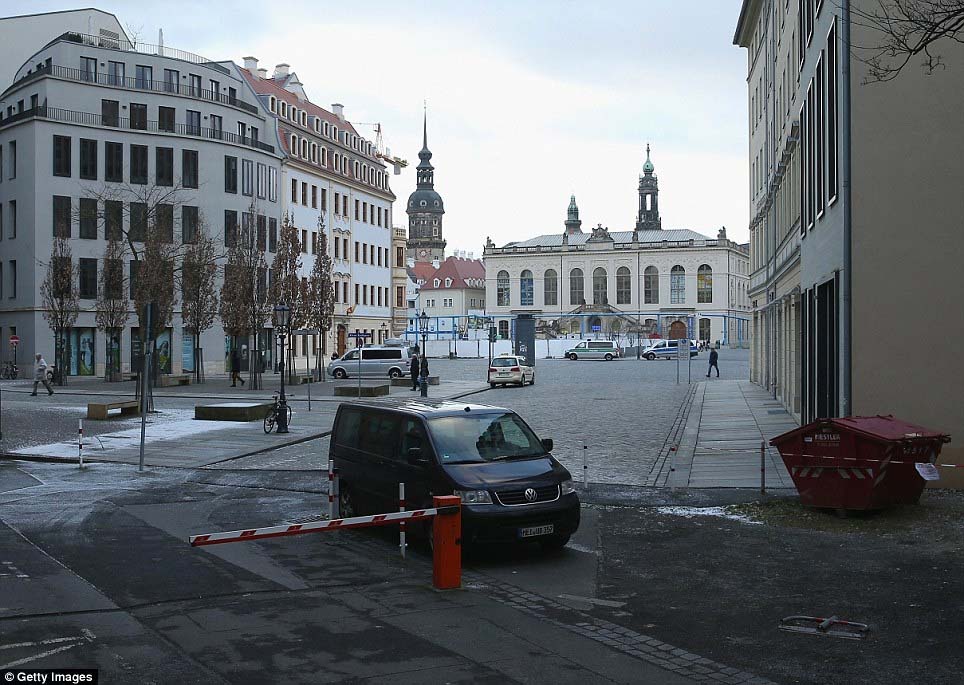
(720, 446)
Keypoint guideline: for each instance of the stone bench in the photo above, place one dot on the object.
(98, 411)
(365, 390)
(232, 411)
(168, 379)
(406, 381)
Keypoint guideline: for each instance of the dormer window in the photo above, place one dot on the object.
(422, 203)
(284, 108)
(304, 119)
(325, 128)
(436, 282)
(272, 103)
(448, 282)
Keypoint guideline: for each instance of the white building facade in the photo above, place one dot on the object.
(89, 116)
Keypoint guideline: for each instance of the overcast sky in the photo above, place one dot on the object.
(528, 102)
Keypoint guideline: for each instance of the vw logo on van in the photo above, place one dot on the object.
(531, 495)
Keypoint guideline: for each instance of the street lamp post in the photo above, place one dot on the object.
(423, 372)
(384, 329)
(282, 315)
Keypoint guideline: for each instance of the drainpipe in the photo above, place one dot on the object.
(846, 401)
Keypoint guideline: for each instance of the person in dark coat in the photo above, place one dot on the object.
(413, 369)
(423, 372)
(714, 363)
(236, 368)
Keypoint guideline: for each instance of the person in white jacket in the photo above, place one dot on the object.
(40, 375)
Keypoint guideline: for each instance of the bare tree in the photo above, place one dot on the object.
(906, 29)
(285, 282)
(318, 303)
(199, 300)
(113, 307)
(61, 303)
(244, 306)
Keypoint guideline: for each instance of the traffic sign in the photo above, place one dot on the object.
(14, 340)
(596, 328)
(360, 335)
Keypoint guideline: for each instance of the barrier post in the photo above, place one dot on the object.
(337, 505)
(447, 544)
(80, 443)
(331, 489)
(585, 466)
(763, 469)
(401, 524)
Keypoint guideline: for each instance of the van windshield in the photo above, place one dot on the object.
(483, 437)
(504, 361)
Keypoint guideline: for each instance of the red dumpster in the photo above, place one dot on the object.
(858, 462)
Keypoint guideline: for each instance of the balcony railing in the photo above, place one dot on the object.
(83, 76)
(122, 43)
(88, 119)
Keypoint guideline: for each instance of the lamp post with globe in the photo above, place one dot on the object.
(282, 315)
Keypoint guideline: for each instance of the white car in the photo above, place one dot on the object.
(508, 368)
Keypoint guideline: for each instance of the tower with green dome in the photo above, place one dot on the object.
(648, 217)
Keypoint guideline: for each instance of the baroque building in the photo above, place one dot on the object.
(622, 284)
(425, 209)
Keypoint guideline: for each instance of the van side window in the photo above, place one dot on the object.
(347, 429)
(381, 354)
(413, 435)
(379, 433)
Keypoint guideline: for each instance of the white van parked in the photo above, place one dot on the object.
(668, 349)
(375, 361)
(593, 349)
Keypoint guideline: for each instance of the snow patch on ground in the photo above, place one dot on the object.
(718, 512)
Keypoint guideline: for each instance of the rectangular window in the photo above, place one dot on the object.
(114, 162)
(110, 112)
(61, 155)
(144, 76)
(172, 80)
(215, 89)
(165, 119)
(356, 210)
(262, 232)
(13, 278)
(87, 271)
(138, 227)
(61, 208)
(819, 141)
(88, 159)
(113, 279)
(195, 80)
(832, 187)
(304, 193)
(804, 162)
(262, 180)
(189, 223)
(356, 251)
(337, 205)
(115, 73)
(365, 212)
(294, 191)
(304, 241)
(337, 248)
(164, 222)
(217, 127)
(272, 184)
(399, 296)
(314, 197)
(13, 219)
(344, 292)
(164, 166)
(113, 220)
(138, 165)
(230, 228)
(192, 122)
(399, 256)
(138, 117)
(811, 165)
(189, 168)
(230, 174)
(247, 180)
(272, 235)
(88, 218)
(357, 298)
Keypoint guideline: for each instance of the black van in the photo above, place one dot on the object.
(512, 489)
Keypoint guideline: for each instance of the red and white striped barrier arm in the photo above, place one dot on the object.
(315, 526)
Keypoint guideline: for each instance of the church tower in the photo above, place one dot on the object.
(425, 209)
(573, 224)
(648, 217)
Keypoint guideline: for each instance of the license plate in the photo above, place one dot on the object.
(503, 373)
(533, 531)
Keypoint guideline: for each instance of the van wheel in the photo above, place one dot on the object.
(573, 357)
(650, 356)
(608, 357)
(394, 373)
(340, 373)
(532, 381)
(554, 542)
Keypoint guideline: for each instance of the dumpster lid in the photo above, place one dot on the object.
(881, 427)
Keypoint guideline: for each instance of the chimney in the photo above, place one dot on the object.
(251, 64)
(281, 70)
(338, 110)
(262, 73)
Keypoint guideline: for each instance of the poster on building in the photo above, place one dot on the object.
(187, 351)
(163, 347)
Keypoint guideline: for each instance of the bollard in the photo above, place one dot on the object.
(447, 544)
(331, 489)
(80, 443)
(401, 524)
(763, 469)
(585, 467)
(423, 386)
(337, 492)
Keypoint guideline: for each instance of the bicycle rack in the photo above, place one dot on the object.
(827, 627)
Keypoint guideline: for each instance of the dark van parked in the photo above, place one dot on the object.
(511, 487)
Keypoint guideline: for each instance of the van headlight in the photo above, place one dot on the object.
(567, 487)
(473, 496)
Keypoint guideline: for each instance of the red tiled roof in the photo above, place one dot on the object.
(268, 86)
(458, 269)
(422, 271)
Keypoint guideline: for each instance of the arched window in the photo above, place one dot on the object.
(704, 284)
(600, 283)
(577, 289)
(525, 288)
(272, 103)
(704, 329)
(651, 285)
(502, 289)
(624, 283)
(294, 145)
(677, 285)
(550, 284)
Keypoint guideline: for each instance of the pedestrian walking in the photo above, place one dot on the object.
(236, 368)
(40, 375)
(413, 369)
(714, 363)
